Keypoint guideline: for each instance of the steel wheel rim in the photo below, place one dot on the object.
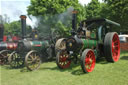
(90, 61)
(64, 62)
(115, 48)
(33, 61)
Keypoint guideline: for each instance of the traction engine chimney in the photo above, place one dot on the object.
(23, 25)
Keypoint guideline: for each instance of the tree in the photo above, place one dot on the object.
(118, 10)
(93, 9)
(4, 19)
(55, 14)
(14, 28)
(42, 7)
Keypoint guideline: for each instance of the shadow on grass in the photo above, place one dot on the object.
(124, 58)
(73, 69)
(10, 68)
(78, 72)
(101, 60)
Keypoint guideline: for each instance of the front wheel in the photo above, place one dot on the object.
(88, 61)
(32, 60)
(62, 59)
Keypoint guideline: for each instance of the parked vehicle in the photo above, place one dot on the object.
(92, 39)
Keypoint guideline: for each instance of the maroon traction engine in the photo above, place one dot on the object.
(5, 47)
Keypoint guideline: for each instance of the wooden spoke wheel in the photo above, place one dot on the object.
(4, 54)
(62, 59)
(88, 61)
(16, 60)
(32, 60)
(112, 47)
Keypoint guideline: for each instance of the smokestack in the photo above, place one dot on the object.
(1, 32)
(74, 20)
(23, 25)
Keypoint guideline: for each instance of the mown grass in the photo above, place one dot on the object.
(49, 74)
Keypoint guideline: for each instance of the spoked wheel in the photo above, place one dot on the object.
(88, 61)
(4, 54)
(62, 59)
(32, 60)
(112, 47)
(15, 60)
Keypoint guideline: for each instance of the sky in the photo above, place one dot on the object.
(15, 8)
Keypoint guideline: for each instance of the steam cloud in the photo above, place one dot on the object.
(48, 22)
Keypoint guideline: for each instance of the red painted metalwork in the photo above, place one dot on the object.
(11, 46)
(64, 62)
(115, 48)
(4, 38)
(38, 45)
(90, 61)
(15, 38)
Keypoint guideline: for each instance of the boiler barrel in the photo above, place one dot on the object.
(89, 43)
(25, 46)
(75, 44)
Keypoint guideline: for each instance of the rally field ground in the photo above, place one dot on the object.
(49, 74)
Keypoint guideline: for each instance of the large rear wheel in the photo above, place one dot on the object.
(32, 60)
(112, 47)
(62, 59)
(88, 61)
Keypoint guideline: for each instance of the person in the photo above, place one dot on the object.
(83, 31)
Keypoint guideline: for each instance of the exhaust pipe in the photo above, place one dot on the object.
(23, 25)
(1, 32)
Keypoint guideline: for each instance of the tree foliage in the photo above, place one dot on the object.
(42, 7)
(93, 9)
(118, 10)
(4, 19)
(14, 28)
(55, 14)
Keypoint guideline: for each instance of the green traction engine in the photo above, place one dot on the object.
(31, 52)
(93, 39)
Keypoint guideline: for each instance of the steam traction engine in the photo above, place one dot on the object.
(32, 52)
(5, 47)
(90, 41)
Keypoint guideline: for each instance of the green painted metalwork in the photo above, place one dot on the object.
(100, 33)
(89, 43)
(39, 45)
(93, 35)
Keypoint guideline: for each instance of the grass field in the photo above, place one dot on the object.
(48, 74)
